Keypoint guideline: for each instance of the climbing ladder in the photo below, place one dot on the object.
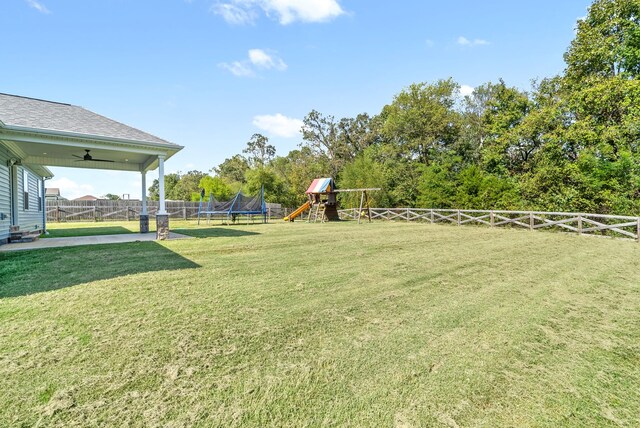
(319, 211)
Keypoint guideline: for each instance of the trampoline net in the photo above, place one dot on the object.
(240, 204)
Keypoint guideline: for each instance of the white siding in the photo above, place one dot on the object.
(5, 196)
(29, 219)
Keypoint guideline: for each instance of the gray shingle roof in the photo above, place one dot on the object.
(48, 115)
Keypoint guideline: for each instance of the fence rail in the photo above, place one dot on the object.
(106, 210)
(581, 223)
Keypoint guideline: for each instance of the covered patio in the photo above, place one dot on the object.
(40, 133)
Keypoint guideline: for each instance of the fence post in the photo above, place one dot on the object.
(638, 230)
(407, 215)
(492, 218)
(184, 212)
(94, 213)
(459, 218)
(531, 221)
(57, 213)
(431, 215)
(580, 224)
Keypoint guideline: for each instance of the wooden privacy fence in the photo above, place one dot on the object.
(581, 223)
(107, 210)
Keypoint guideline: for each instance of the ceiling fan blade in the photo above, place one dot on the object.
(102, 160)
(76, 156)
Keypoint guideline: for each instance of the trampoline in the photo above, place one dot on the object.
(240, 205)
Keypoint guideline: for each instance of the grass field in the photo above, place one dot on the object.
(64, 230)
(384, 324)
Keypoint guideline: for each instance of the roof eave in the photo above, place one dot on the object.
(41, 170)
(168, 147)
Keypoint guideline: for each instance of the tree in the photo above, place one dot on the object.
(188, 186)
(336, 143)
(170, 180)
(422, 119)
(444, 185)
(505, 149)
(111, 197)
(602, 91)
(364, 172)
(257, 178)
(607, 43)
(473, 132)
(401, 173)
(297, 170)
(233, 169)
(358, 133)
(215, 186)
(260, 152)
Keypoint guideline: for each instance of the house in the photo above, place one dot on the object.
(35, 134)
(53, 194)
(86, 198)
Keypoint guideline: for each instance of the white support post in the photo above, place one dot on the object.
(43, 205)
(144, 193)
(161, 208)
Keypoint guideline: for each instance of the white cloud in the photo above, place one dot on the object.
(261, 59)
(278, 125)
(257, 59)
(289, 11)
(285, 11)
(466, 90)
(463, 41)
(239, 68)
(38, 6)
(234, 14)
(70, 189)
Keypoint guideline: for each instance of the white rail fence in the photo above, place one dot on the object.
(581, 223)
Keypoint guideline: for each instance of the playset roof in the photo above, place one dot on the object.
(321, 185)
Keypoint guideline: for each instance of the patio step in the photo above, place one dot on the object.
(24, 236)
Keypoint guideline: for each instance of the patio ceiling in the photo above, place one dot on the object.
(43, 148)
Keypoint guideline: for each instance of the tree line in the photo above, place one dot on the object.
(569, 143)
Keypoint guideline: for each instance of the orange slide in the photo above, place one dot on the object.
(297, 212)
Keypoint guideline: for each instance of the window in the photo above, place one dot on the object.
(40, 201)
(25, 188)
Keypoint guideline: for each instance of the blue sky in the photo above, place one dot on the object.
(207, 74)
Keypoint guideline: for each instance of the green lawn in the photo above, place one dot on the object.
(85, 228)
(384, 324)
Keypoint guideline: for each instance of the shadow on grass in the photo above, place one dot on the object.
(28, 272)
(87, 231)
(214, 232)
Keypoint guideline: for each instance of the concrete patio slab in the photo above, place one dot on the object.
(86, 240)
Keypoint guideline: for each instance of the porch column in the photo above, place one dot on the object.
(43, 205)
(161, 207)
(162, 218)
(144, 217)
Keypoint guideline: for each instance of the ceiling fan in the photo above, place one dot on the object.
(88, 157)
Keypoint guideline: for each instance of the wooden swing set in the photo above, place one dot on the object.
(322, 195)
